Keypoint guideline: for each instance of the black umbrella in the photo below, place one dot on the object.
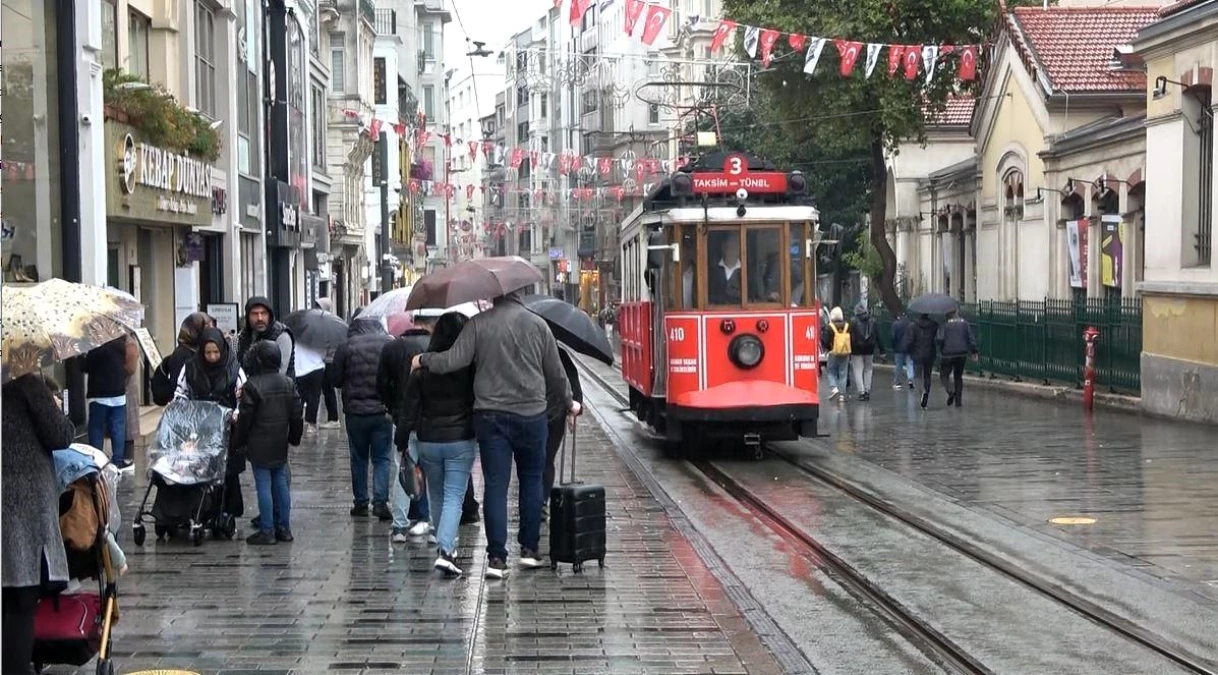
(316, 328)
(933, 303)
(571, 326)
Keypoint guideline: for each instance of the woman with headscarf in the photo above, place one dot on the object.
(165, 378)
(213, 375)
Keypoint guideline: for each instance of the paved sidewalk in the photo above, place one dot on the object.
(341, 599)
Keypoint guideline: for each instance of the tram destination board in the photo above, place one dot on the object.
(736, 175)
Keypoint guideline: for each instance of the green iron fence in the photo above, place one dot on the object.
(1043, 341)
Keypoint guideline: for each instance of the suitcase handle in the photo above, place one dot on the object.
(562, 457)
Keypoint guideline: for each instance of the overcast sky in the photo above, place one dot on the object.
(489, 21)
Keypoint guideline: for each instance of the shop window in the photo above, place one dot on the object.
(138, 29)
(205, 59)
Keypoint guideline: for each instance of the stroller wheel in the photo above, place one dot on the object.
(229, 528)
(139, 534)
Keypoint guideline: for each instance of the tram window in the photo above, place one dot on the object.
(764, 254)
(688, 270)
(723, 267)
(799, 267)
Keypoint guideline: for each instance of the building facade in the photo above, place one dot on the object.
(1180, 282)
(471, 99)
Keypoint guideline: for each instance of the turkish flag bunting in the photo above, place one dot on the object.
(634, 9)
(797, 41)
(605, 165)
(414, 185)
(725, 29)
(399, 129)
(487, 146)
(896, 54)
(517, 157)
(473, 150)
(913, 61)
(768, 39)
(849, 51)
(448, 140)
(968, 63)
(578, 9)
(375, 130)
(564, 164)
(640, 170)
(469, 191)
(656, 16)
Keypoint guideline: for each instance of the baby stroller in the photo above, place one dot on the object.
(186, 464)
(74, 626)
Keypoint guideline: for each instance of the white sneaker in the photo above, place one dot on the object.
(530, 560)
(447, 565)
(399, 535)
(329, 425)
(420, 528)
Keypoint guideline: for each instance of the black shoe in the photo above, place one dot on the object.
(959, 400)
(925, 398)
(381, 511)
(124, 464)
(951, 398)
(545, 511)
(496, 568)
(470, 517)
(359, 510)
(446, 563)
(911, 386)
(261, 538)
(284, 535)
(865, 396)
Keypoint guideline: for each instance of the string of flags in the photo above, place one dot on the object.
(908, 60)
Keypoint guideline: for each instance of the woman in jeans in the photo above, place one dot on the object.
(439, 409)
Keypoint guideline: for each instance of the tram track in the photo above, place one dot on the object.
(905, 621)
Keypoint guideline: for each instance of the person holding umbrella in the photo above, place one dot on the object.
(318, 333)
(921, 339)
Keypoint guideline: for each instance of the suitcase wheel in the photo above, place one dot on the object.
(577, 568)
(105, 667)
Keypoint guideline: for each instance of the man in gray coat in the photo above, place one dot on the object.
(516, 362)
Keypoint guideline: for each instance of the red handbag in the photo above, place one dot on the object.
(67, 629)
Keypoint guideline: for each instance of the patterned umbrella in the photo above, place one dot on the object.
(387, 304)
(56, 320)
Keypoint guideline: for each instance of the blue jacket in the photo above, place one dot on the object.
(898, 334)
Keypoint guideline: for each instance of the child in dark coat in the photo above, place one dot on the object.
(270, 417)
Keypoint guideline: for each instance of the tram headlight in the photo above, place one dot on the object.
(746, 351)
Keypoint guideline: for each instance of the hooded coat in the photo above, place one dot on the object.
(275, 332)
(271, 414)
(213, 381)
(356, 364)
(920, 339)
(165, 377)
(864, 334)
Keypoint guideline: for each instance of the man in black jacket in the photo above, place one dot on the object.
(369, 429)
(956, 343)
(108, 368)
(919, 343)
(260, 324)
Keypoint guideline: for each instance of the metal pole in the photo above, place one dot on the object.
(69, 186)
(382, 149)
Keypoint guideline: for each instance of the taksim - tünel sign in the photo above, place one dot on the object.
(150, 166)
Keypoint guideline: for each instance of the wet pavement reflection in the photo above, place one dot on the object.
(1151, 485)
(342, 599)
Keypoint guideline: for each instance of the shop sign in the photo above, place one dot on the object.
(158, 185)
(219, 201)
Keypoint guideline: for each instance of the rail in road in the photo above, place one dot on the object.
(903, 620)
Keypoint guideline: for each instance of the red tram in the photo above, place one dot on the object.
(719, 320)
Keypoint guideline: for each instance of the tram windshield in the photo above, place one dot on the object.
(750, 267)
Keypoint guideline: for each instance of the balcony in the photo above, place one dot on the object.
(437, 7)
(367, 11)
(386, 22)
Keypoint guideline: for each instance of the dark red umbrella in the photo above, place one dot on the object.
(473, 280)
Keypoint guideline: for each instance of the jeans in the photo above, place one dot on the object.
(447, 467)
(902, 364)
(863, 366)
(403, 508)
(370, 437)
(951, 373)
(835, 368)
(503, 437)
(103, 418)
(312, 387)
(557, 432)
(273, 497)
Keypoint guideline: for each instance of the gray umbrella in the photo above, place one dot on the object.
(933, 303)
(473, 280)
(316, 328)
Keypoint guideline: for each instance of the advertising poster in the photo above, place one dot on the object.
(1076, 238)
(1112, 257)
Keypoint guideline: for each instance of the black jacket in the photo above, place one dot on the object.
(554, 406)
(437, 408)
(207, 382)
(356, 366)
(394, 371)
(165, 377)
(107, 369)
(271, 415)
(248, 337)
(899, 328)
(955, 338)
(864, 335)
(919, 340)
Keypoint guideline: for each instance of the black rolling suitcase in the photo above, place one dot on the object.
(577, 519)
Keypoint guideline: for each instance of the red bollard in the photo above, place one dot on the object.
(1090, 335)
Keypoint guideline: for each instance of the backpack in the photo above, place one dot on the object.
(841, 340)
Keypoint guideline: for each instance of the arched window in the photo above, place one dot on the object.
(1012, 193)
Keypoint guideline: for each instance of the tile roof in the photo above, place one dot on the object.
(958, 112)
(1178, 6)
(1072, 46)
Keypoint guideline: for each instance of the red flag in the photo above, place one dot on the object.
(946, 49)
(578, 9)
(399, 129)
(605, 165)
(469, 191)
(912, 60)
(797, 41)
(849, 51)
(968, 63)
(448, 140)
(725, 29)
(768, 39)
(473, 150)
(375, 130)
(896, 54)
(634, 9)
(517, 157)
(656, 16)
(487, 146)
(414, 185)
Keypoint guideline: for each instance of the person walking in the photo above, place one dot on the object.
(516, 366)
(270, 419)
(919, 344)
(369, 429)
(260, 324)
(864, 343)
(835, 339)
(902, 364)
(33, 426)
(956, 344)
(108, 368)
(311, 377)
(556, 413)
(410, 516)
(438, 411)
